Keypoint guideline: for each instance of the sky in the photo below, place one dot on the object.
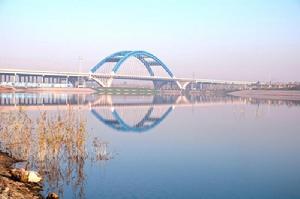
(226, 39)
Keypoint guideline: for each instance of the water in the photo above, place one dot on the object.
(165, 146)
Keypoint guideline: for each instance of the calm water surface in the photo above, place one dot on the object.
(167, 146)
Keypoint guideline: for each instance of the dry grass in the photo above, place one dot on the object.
(53, 144)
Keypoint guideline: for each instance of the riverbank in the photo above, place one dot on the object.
(269, 94)
(6, 89)
(10, 188)
(54, 90)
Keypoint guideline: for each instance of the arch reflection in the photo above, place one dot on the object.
(147, 122)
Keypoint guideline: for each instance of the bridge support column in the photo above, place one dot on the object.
(67, 80)
(109, 82)
(15, 78)
(104, 82)
(200, 87)
(183, 84)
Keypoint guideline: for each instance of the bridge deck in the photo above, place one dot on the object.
(117, 76)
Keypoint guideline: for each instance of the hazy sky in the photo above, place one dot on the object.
(237, 39)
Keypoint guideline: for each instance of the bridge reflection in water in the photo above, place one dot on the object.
(150, 119)
(126, 113)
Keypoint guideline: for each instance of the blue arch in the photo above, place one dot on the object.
(120, 57)
(120, 125)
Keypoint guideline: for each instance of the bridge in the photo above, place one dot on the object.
(139, 66)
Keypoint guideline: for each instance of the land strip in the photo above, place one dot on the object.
(269, 94)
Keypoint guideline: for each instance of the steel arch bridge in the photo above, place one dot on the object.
(148, 60)
(112, 64)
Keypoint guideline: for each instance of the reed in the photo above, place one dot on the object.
(54, 144)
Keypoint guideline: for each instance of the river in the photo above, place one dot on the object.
(115, 146)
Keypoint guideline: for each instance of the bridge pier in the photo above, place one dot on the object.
(183, 84)
(49, 79)
(103, 82)
(14, 78)
(5, 78)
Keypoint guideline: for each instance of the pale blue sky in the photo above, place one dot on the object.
(237, 39)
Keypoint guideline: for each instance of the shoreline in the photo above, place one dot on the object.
(10, 188)
(268, 94)
(47, 90)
